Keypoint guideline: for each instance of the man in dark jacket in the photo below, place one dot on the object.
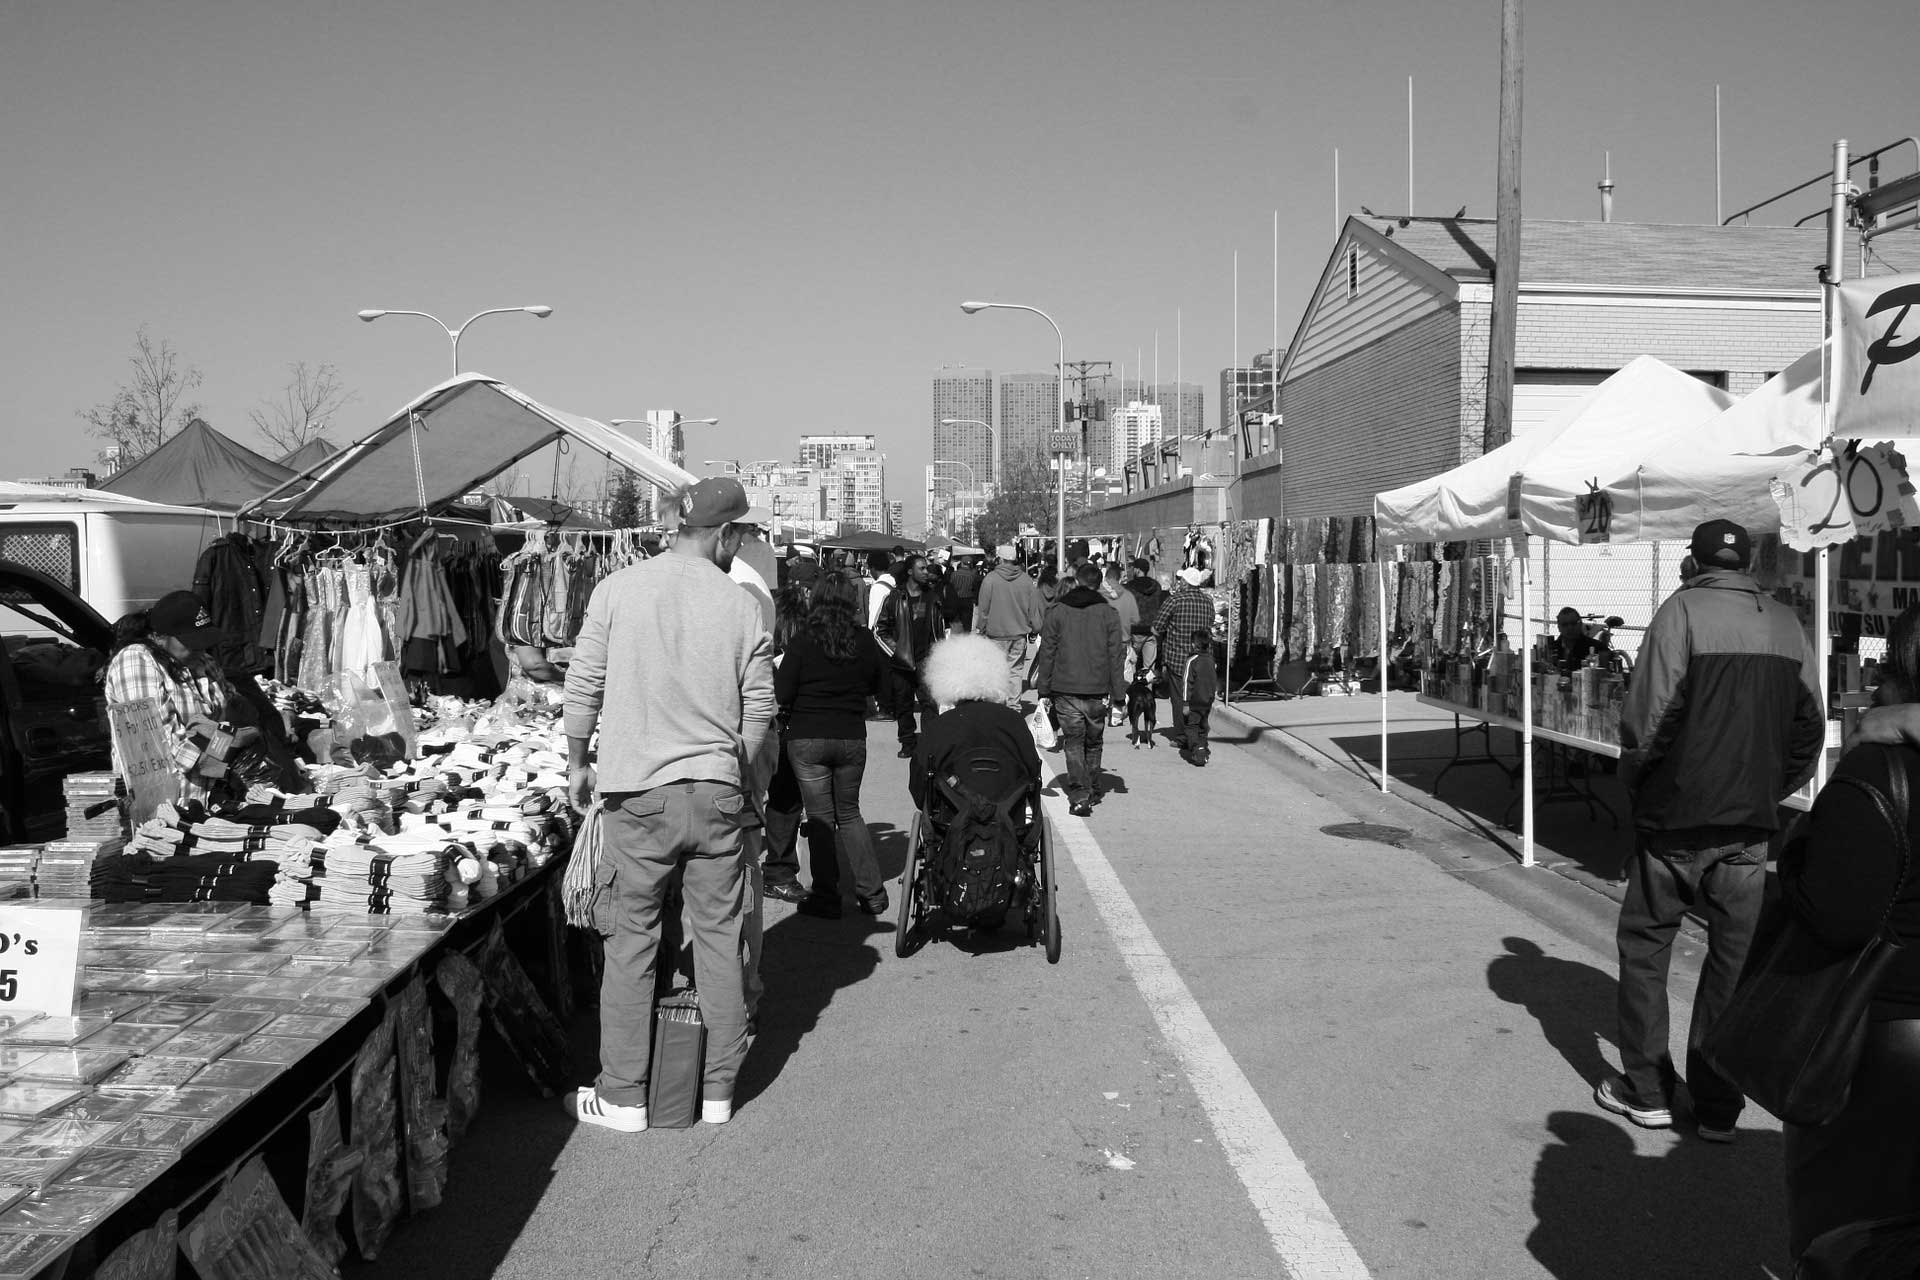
(1722, 722)
(1081, 665)
(910, 622)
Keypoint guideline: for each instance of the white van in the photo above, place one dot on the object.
(117, 555)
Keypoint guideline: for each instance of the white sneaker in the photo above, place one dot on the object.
(588, 1107)
(716, 1110)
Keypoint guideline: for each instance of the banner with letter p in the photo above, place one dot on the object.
(1877, 387)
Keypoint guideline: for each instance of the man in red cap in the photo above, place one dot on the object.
(1722, 722)
(674, 667)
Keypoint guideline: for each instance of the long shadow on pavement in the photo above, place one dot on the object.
(1604, 1211)
(1574, 1003)
(804, 962)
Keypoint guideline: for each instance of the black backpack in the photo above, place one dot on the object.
(981, 851)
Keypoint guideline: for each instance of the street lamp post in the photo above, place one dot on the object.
(1060, 474)
(374, 313)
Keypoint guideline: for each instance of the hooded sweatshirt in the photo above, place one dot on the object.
(1149, 595)
(1081, 648)
(1009, 606)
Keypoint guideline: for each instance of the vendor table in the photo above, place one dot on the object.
(1561, 783)
(126, 1152)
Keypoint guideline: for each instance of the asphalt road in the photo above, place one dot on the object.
(1267, 1051)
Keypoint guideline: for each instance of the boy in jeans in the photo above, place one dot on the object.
(1199, 684)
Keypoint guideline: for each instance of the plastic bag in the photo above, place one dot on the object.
(1038, 724)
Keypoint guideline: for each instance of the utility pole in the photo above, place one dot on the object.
(1506, 245)
(1086, 412)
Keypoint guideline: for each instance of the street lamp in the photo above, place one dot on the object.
(372, 314)
(993, 438)
(1060, 478)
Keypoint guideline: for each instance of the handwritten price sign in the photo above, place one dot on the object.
(39, 959)
(141, 755)
(1847, 494)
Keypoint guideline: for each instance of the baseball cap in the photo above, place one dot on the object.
(1721, 544)
(718, 500)
(1193, 577)
(1004, 551)
(181, 615)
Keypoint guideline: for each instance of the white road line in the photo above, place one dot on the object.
(1303, 1230)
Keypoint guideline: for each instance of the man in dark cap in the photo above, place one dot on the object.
(1722, 722)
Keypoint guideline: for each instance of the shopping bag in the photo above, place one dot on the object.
(1044, 736)
(679, 1062)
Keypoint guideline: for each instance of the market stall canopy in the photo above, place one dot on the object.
(199, 467)
(1610, 428)
(310, 454)
(1719, 469)
(467, 430)
(517, 509)
(867, 540)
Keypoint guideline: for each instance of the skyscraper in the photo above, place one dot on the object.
(862, 476)
(819, 452)
(1134, 427)
(963, 393)
(1255, 383)
(1029, 413)
(1182, 408)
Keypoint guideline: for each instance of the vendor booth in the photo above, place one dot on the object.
(257, 971)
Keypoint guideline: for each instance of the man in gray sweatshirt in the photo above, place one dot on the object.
(1009, 614)
(674, 666)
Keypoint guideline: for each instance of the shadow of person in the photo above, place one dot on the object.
(890, 847)
(1573, 1002)
(1604, 1211)
(803, 962)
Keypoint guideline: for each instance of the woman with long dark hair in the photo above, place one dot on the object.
(1840, 882)
(831, 667)
(161, 654)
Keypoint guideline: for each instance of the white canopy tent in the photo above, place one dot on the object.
(1720, 467)
(1609, 429)
(445, 444)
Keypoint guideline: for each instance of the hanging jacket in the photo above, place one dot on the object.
(231, 584)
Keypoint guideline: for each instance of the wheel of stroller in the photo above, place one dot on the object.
(1050, 894)
(907, 934)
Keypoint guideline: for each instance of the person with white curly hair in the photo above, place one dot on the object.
(966, 675)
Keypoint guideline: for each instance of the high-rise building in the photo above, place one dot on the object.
(1182, 408)
(820, 452)
(1029, 413)
(965, 395)
(861, 487)
(1134, 428)
(795, 495)
(896, 517)
(1242, 387)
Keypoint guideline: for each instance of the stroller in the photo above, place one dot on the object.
(980, 885)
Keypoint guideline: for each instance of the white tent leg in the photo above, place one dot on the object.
(1526, 720)
(1382, 600)
(1822, 643)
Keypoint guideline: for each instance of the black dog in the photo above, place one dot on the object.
(1142, 712)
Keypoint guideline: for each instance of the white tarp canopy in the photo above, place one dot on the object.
(12, 492)
(1716, 470)
(1611, 428)
(467, 430)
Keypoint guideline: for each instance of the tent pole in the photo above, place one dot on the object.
(1526, 720)
(1381, 550)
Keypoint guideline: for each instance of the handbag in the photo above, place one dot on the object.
(1044, 735)
(1791, 1037)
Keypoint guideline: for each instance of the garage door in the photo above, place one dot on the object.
(1540, 395)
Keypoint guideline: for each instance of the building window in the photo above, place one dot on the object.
(1353, 272)
(1716, 378)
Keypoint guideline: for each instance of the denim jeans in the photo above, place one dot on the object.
(829, 771)
(909, 694)
(1720, 874)
(696, 826)
(1083, 726)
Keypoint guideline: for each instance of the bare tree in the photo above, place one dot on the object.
(304, 408)
(143, 412)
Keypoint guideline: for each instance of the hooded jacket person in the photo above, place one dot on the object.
(1082, 649)
(1149, 596)
(1010, 603)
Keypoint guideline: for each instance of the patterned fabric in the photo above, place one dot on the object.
(1187, 610)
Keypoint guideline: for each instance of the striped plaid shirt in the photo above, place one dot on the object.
(1186, 611)
(135, 673)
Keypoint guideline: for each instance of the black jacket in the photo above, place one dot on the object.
(1150, 596)
(894, 627)
(230, 582)
(1723, 717)
(1082, 652)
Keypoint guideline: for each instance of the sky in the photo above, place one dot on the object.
(769, 214)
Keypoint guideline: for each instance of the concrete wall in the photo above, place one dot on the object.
(1168, 507)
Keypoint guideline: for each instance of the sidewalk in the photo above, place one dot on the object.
(1343, 734)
